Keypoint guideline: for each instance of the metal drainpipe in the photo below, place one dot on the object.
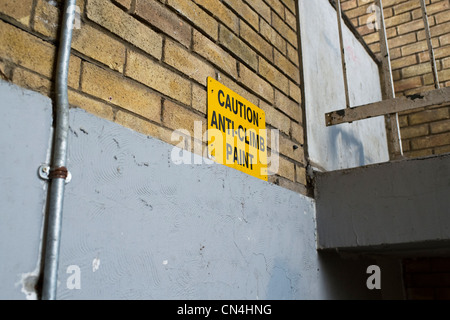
(58, 171)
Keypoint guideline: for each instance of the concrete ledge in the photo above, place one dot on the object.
(393, 206)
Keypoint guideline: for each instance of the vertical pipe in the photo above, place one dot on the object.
(58, 170)
(341, 43)
(392, 123)
(429, 43)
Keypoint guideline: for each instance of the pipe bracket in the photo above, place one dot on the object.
(46, 173)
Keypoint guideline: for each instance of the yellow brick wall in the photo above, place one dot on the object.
(144, 63)
(424, 132)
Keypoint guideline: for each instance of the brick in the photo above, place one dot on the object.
(435, 31)
(290, 185)
(125, 26)
(416, 70)
(295, 92)
(406, 84)
(256, 84)
(438, 6)
(196, 15)
(126, 4)
(291, 20)
(130, 121)
(271, 35)
(438, 54)
(289, 107)
(222, 13)
(3, 72)
(91, 105)
(431, 141)
(287, 67)
(406, 7)
(256, 41)
(297, 133)
(157, 77)
(429, 116)
(32, 81)
(446, 63)
(403, 62)
(442, 17)
(26, 50)
(414, 131)
(443, 75)
(199, 99)
(402, 40)
(286, 32)
(179, 58)
(18, 10)
(32, 53)
(232, 42)
(277, 6)
(397, 20)
(275, 118)
(442, 150)
(165, 20)
(262, 9)
(414, 48)
(411, 26)
(291, 4)
(291, 149)
(419, 153)
(286, 169)
(246, 13)
(178, 118)
(356, 12)
(275, 77)
(213, 53)
(293, 55)
(441, 126)
(403, 120)
(114, 88)
(300, 175)
(347, 5)
(99, 46)
(46, 19)
(406, 146)
(444, 40)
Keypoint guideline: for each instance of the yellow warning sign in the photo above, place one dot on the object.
(237, 134)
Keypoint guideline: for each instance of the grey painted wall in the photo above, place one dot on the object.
(25, 124)
(346, 145)
(140, 227)
(397, 205)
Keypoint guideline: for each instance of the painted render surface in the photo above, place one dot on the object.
(26, 122)
(346, 145)
(138, 226)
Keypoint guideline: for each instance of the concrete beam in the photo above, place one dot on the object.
(392, 206)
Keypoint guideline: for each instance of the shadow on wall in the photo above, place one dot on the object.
(353, 148)
(346, 278)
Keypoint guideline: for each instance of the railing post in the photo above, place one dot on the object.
(392, 123)
(430, 44)
(341, 43)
